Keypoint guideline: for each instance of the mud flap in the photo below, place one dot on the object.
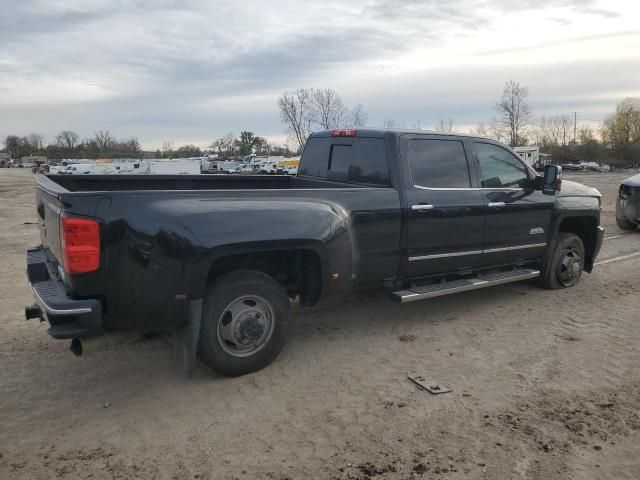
(547, 258)
(186, 338)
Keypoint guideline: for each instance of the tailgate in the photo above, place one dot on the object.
(49, 207)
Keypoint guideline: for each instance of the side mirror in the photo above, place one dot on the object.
(552, 180)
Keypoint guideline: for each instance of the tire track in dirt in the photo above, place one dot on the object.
(613, 334)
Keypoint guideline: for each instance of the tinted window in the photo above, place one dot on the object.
(499, 168)
(315, 158)
(341, 157)
(364, 160)
(438, 164)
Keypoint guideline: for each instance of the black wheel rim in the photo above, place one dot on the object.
(569, 267)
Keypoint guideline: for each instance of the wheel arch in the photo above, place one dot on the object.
(300, 266)
(586, 228)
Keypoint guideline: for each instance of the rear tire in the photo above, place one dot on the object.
(244, 321)
(626, 224)
(564, 268)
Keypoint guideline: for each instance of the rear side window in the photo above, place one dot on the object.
(315, 158)
(361, 160)
(438, 164)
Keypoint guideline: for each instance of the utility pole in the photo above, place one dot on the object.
(575, 125)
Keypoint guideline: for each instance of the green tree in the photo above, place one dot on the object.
(245, 143)
(261, 146)
(621, 131)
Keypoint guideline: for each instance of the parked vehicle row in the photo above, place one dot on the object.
(264, 167)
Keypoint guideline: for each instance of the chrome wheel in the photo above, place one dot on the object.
(245, 326)
(569, 268)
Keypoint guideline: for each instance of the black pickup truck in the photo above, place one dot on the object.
(216, 259)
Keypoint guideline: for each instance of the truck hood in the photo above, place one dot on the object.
(575, 189)
(632, 181)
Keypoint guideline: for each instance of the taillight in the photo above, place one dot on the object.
(80, 238)
(344, 132)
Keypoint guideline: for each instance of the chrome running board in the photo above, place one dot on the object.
(455, 286)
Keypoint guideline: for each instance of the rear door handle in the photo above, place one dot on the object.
(422, 206)
(496, 204)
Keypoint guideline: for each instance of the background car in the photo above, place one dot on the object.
(628, 204)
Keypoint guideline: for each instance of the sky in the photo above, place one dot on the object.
(189, 71)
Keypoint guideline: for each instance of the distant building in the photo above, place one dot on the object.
(532, 156)
(529, 154)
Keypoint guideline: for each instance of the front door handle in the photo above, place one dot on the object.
(422, 206)
(496, 204)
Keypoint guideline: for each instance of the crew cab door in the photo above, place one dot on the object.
(518, 216)
(444, 214)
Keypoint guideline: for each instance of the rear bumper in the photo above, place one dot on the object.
(67, 317)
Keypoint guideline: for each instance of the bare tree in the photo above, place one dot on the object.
(329, 110)
(513, 111)
(498, 131)
(15, 146)
(218, 145)
(104, 141)
(445, 126)
(553, 130)
(296, 113)
(358, 116)
(67, 139)
(481, 130)
(229, 143)
(167, 149)
(586, 135)
(491, 129)
(391, 123)
(128, 147)
(225, 146)
(186, 151)
(36, 142)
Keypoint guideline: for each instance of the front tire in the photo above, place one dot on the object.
(626, 224)
(565, 267)
(244, 321)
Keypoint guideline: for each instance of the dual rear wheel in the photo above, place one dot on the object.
(244, 320)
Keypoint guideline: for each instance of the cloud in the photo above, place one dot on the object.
(195, 69)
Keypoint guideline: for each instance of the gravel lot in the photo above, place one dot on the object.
(546, 384)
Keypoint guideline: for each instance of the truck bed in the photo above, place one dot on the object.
(101, 183)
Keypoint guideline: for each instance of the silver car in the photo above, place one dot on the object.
(628, 204)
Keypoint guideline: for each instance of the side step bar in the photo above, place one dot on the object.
(445, 288)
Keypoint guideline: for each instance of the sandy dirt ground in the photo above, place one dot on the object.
(545, 385)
